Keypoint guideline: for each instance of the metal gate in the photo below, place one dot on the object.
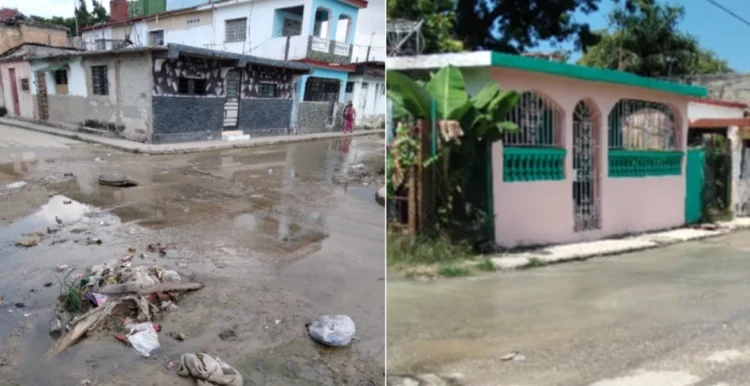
(232, 103)
(585, 164)
(694, 179)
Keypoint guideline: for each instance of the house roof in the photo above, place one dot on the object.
(175, 50)
(719, 123)
(496, 59)
(721, 103)
(30, 49)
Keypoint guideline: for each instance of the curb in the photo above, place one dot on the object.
(196, 147)
(532, 260)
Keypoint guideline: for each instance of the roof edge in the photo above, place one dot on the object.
(717, 102)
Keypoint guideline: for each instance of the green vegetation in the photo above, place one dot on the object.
(82, 16)
(535, 262)
(454, 271)
(71, 293)
(486, 266)
(424, 250)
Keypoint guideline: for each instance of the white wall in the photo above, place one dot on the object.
(697, 110)
(76, 78)
(374, 100)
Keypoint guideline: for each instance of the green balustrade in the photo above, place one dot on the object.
(644, 163)
(521, 164)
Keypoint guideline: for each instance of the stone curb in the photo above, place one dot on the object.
(520, 261)
(193, 147)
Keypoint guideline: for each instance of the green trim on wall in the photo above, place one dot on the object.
(593, 74)
(522, 164)
(644, 163)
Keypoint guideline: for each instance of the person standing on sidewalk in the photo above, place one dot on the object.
(349, 116)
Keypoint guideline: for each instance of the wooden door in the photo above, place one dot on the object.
(14, 91)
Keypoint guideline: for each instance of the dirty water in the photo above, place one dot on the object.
(659, 312)
(272, 235)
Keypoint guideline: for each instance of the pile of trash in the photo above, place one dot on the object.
(116, 296)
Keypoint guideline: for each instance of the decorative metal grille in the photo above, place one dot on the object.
(539, 122)
(641, 125)
(156, 38)
(99, 81)
(322, 90)
(585, 163)
(267, 90)
(236, 30)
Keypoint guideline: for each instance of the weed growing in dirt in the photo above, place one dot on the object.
(535, 262)
(72, 293)
(454, 271)
(424, 250)
(486, 266)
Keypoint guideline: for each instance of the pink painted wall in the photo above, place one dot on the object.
(529, 213)
(25, 98)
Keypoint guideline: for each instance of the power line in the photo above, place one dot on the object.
(730, 12)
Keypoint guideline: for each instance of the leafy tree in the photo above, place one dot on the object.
(438, 26)
(82, 14)
(646, 41)
(99, 13)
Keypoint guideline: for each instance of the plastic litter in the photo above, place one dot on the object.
(332, 330)
(208, 371)
(95, 299)
(170, 276)
(16, 185)
(143, 338)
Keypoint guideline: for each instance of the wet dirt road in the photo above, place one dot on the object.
(675, 316)
(271, 232)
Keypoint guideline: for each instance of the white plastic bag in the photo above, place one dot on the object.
(143, 338)
(170, 276)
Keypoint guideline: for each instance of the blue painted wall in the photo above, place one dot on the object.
(278, 21)
(343, 76)
(337, 8)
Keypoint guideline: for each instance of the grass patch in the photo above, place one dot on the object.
(71, 294)
(454, 271)
(424, 250)
(535, 262)
(486, 265)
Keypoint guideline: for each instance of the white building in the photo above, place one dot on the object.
(317, 32)
(366, 90)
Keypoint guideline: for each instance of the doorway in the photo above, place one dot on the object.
(14, 91)
(41, 96)
(232, 103)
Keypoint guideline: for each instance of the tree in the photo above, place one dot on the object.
(82, 16)
(99, 13)
(438, 25)
(646, 41)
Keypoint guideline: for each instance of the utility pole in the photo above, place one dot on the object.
(367, 59)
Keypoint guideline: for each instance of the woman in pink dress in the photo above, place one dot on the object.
(349, 116)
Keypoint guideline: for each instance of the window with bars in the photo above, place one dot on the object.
(267, 90)
(236, 30)
(156, 38)
(191, 86)
(25, 84)
(100, 44)
(99, 81)
(349, 86)
(291, 27)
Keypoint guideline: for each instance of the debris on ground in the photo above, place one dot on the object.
(48, 284)
(126, 258)
(332, 330)
(29, 241)
(117, 180)
(228, 333)
(143, 337)
(16, 185)
(55, 327)
(53, 229)
(513, 356)
(20, 305)
(93, 240)
(177, 336)
(158, 247)
(67, 202)
(119, 298)
(60, 268)
(208, 371)
(58, 220)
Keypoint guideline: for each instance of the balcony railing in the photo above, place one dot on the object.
(340, 49)
(320, 44)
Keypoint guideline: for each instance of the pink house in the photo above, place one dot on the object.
(599, 152)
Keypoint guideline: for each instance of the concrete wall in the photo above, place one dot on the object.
(265, 116)
(25, 98)
(259, 29)
(370, 103)
(185, 118)
(728, 87)
(127, 105)
(193, 29)
(541, 212)
(12, 35)
(314, 117)
(336, 8)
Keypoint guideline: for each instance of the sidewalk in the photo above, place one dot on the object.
(185, 147)
(583, 251)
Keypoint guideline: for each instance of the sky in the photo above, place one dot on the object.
(370, 19)
(715, 29)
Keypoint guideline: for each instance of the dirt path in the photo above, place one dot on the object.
(269, 231)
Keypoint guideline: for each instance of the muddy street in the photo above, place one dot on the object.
(671, 316)
(278, 235)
